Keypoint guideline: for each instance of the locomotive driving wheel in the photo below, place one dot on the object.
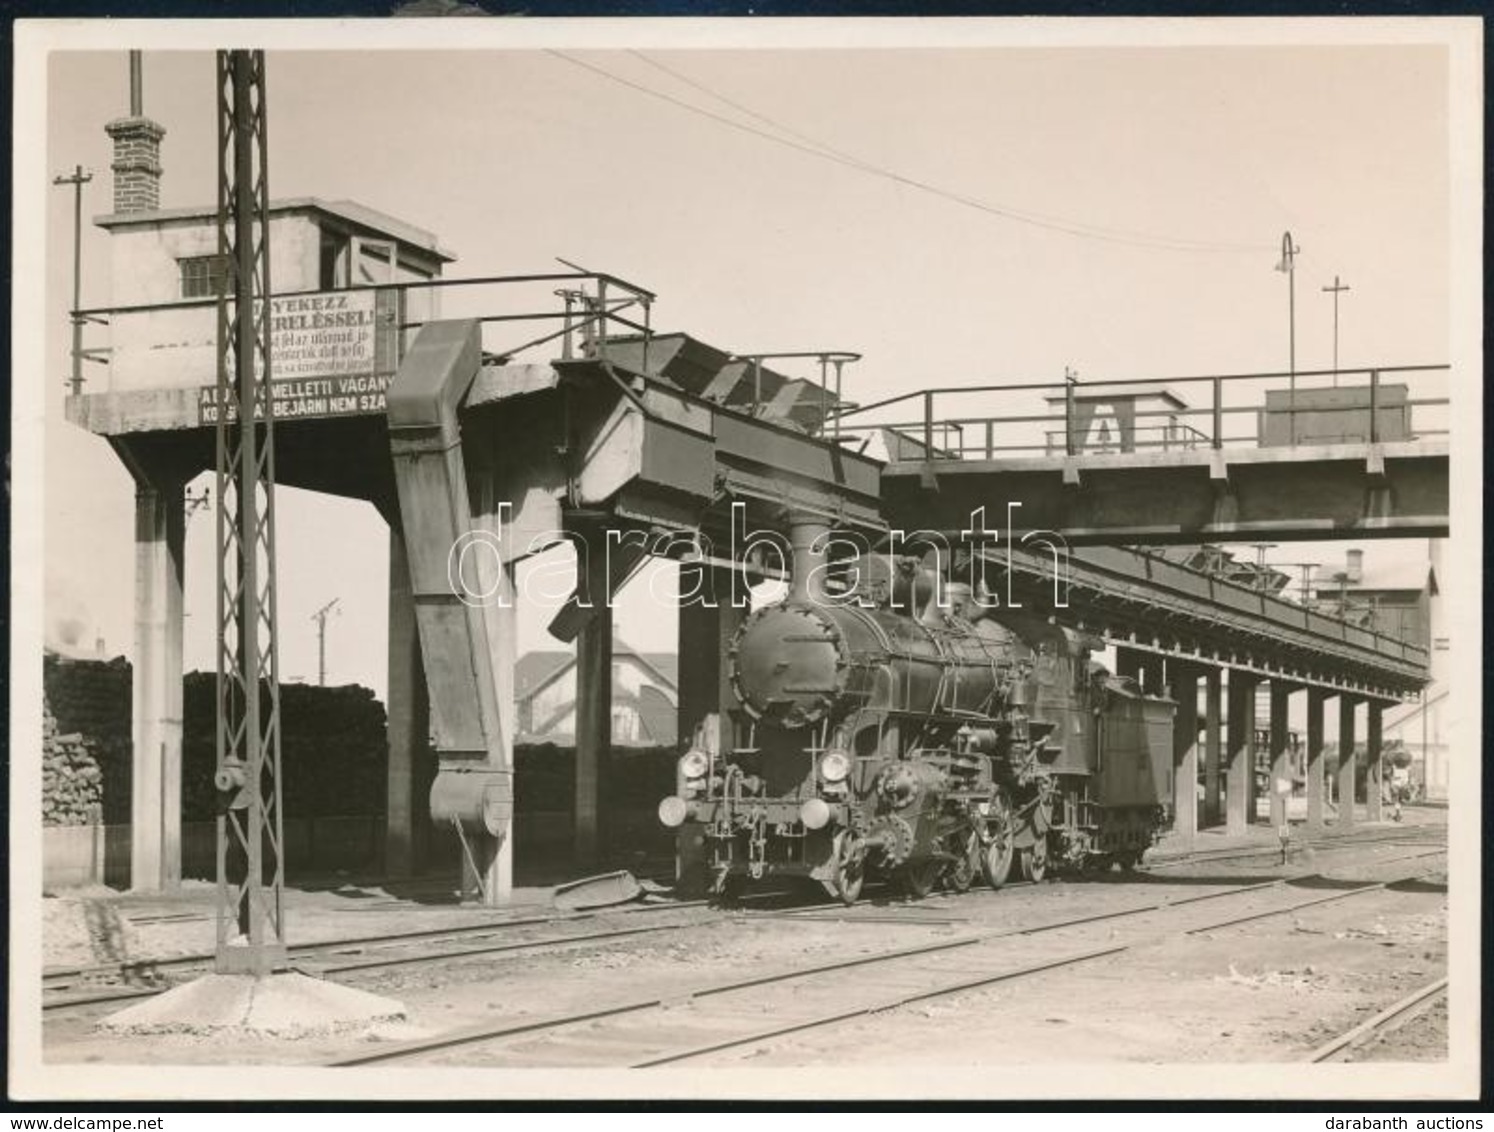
(964, 850)
(918, 877)
(1035, 861)
(996, 853)
(848, 868)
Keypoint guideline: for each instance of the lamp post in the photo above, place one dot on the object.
(77, 179)
(1288, 264)
(1336, 290)
(320, 617)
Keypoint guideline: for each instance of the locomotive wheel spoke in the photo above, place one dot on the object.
(850, 870)
(1035, 863)
(966, 851)
(996, 856)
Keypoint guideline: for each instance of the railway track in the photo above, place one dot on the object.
(1328, 843)
(646, 1031)
(1394, 1015)
(308, 955)
(320, 958)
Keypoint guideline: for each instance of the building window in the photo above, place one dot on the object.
(201, 276)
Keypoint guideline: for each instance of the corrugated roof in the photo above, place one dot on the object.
(537, 668)
(1412, 576)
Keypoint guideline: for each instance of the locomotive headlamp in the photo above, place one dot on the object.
(694, 763)
(835, 766)
(815, 813)
(672, 811)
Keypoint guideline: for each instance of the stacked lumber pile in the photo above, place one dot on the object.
(85, 741)
(545, 776)
(72, 782)
(333, 750)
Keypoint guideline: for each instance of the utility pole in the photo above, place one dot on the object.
(77, 179)
(1336, 290)
(1288, 264)
(1307, 569)
(251, 858)
(320, 617)
(194, 503)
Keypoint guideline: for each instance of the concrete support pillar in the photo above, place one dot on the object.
(1183, 681)
(1372, 757)
(1241, 748)
(1281, 772)
(593, 730)
(156, 700)
(503, 637)
(411, 762)
(1315, 699)
(1213, 695)
(1346, 706)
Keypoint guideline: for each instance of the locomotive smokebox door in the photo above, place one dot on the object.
(788, 665)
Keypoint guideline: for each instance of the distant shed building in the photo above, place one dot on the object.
(1404, 600)
(1393, 598)
(645, 697)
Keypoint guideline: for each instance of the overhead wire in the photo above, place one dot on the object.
(803, 143)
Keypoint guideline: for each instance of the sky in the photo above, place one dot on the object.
(1156, 183)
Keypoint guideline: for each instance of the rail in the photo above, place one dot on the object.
(838, 359)
(1288, 409)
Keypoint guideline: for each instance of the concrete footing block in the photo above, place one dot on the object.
(287, 1005)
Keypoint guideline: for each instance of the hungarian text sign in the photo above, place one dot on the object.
(323, 354)
(312, 397)
(322, 335)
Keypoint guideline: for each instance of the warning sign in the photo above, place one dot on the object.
(322, 335)
(326, 352)
(311, 397)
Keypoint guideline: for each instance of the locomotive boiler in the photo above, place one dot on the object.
(901, 730)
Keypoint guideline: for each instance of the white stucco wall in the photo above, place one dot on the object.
(626, 726)
(173, 349)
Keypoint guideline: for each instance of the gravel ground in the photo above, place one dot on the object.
(1271, 990)
(1422, 1037)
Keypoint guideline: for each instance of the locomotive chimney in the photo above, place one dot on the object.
(807, 572)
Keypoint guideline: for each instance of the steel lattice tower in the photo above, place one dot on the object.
(251, 865)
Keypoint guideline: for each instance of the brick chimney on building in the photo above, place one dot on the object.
(137, 151)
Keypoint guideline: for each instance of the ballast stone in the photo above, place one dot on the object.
(288, 1005)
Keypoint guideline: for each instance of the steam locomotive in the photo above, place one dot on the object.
(902, 731)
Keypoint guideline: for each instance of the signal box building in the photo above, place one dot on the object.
(165, 263)
(344, 291)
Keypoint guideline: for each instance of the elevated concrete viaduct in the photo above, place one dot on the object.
(1360, 491)
(663, 443)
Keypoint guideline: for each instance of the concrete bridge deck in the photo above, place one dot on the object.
(665, 441)
(1321, 491)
